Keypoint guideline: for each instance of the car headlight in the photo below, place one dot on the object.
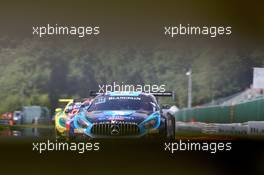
(82, 123)
(151, 123)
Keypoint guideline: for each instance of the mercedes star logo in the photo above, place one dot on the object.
(115, 130)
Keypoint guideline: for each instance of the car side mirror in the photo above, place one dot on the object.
(165, 106)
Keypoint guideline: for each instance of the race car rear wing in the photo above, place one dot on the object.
(94, 93)
(157, 94)
(72, 100)
(165, 94)
(65, 100)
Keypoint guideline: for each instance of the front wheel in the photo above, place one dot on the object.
(167, 129)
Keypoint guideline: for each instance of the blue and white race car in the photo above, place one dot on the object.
(122, 114)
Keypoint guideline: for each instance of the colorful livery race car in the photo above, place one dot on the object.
(122, 114)
(62, 116)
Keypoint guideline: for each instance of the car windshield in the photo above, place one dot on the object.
(139, 103)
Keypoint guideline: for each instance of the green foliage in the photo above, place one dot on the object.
(39, 72)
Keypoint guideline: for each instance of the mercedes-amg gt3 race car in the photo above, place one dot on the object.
(122, 114)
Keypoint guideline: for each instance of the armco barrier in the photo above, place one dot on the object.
(239, 113)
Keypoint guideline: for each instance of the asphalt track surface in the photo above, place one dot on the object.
(133, 156)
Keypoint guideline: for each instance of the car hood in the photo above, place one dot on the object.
(126, 116)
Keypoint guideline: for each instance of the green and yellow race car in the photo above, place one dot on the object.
(63, 114)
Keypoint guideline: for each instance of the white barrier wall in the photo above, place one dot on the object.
(251, 127)
(256, 127)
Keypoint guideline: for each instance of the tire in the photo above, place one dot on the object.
(170, 126)
(58, 135)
